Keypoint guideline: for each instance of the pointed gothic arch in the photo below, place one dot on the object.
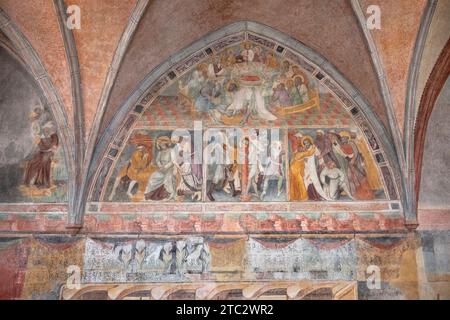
(112, 143)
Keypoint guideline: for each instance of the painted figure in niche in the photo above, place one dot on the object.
(271, 61)
(138, 169)
(162, 183)
(38, 167)
(258, 55)
(302, 88)
(263, 166)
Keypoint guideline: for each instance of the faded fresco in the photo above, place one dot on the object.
(242, 172)
(205, 267)
(266, 130)
(32, 163)
(159, 166)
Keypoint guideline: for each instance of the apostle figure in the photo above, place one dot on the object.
(280, 97)
(194, 84)
(301, 85)
(295, 140)
(310, 178)
(342, 162)
(161, 185)
(294, 93)
(38, 168)
(247, 54)
(297, 189)
(215, 68)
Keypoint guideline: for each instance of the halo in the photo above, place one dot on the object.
(344, 134)
(309, 138)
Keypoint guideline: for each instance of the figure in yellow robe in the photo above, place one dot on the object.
(297, 189)
(138, 170)
(371, 166)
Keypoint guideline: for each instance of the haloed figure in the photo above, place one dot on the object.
(38, 169)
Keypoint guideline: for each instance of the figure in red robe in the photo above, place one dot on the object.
(357, 180)
(38, 169)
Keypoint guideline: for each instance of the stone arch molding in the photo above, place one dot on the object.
(112, 142)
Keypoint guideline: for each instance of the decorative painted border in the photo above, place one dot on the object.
(223, 224)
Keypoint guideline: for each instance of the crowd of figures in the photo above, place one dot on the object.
(237, 167)
(329, 166)
(169, 172)
(245, 165)
(249, 165)
(248, 81)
